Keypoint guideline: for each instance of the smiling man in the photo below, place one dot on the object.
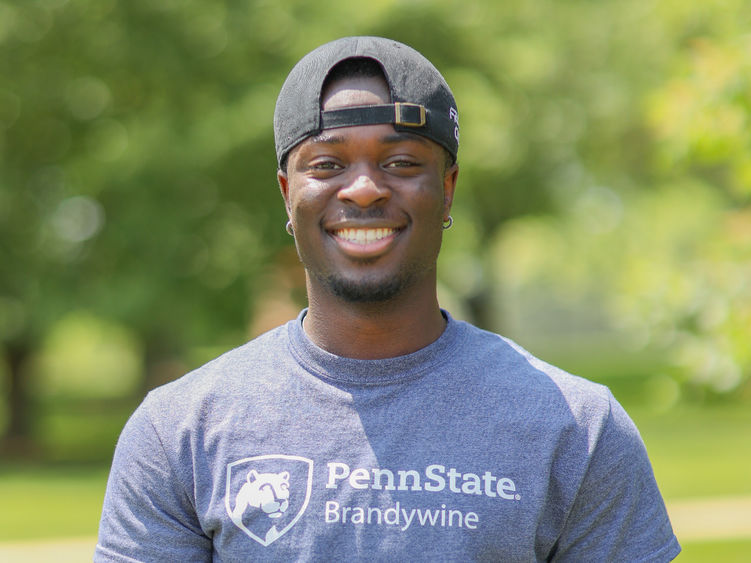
(375, 426)
(367, 204)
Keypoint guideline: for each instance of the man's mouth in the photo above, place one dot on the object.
(364, 236)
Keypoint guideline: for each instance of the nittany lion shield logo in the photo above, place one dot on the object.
(267, 494)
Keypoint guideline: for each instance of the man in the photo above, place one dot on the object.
(375, 426)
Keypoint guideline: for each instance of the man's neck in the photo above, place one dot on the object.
(370, 331)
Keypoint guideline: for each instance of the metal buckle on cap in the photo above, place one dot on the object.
(401, 109)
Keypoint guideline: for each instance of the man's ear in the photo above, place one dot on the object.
(281, 177)
(449, 186)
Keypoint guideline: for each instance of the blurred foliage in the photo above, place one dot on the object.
(604, 171)
(669, 269)
(78, 350)
(662, 251)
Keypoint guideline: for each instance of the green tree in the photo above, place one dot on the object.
(137, 174)
(669, 264)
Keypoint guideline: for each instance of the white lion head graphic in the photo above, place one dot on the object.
(267, 491)
(260, 487)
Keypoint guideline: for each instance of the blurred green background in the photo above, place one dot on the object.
(602, 218)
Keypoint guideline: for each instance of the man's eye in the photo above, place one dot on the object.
(401, 164)
(325, 165)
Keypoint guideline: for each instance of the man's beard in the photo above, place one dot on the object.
(367, 291)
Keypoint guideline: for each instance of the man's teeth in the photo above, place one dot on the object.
(363, 236)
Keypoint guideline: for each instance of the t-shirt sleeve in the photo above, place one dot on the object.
(148, 512)
(618, 513)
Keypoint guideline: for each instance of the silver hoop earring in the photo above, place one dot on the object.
(289, 229)
(448, 224)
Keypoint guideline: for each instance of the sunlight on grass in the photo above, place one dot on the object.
(699, 451)
(728, 551)
(50, 502)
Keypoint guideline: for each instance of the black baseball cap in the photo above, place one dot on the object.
(421, 100)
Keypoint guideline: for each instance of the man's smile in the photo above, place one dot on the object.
(363, 236)
(364, 242)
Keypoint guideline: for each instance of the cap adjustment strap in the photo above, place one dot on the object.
(398, 113)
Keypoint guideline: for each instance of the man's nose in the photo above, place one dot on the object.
(364, 191)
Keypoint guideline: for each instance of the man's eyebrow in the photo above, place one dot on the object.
(400, 137)
(327, 138)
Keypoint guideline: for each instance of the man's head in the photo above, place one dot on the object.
(368, 180)
(420, 100)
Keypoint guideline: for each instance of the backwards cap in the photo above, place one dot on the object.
(421, 101)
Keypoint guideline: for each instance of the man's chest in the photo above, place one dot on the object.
(413, 505)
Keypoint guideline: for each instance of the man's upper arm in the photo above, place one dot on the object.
(619, 514)
(148, 512)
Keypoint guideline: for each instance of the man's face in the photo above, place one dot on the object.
(367, 203)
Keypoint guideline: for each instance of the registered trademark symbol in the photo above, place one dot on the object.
(518, 497)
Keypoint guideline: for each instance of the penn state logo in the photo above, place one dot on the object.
(267, 494)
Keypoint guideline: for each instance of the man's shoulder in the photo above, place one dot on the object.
(226, 374)
(505, 362)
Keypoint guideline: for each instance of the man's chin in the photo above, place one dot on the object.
(364, 291)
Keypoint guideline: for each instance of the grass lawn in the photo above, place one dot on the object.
(728, 551)
(699, 452)
(50, 502)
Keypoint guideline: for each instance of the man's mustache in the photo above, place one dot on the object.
(355, 214)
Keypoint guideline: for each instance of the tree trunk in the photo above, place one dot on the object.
(18, 439)
(162, 364)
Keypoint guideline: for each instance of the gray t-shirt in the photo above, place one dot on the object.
(469, 449)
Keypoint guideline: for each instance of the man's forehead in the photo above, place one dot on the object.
(392, 137)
